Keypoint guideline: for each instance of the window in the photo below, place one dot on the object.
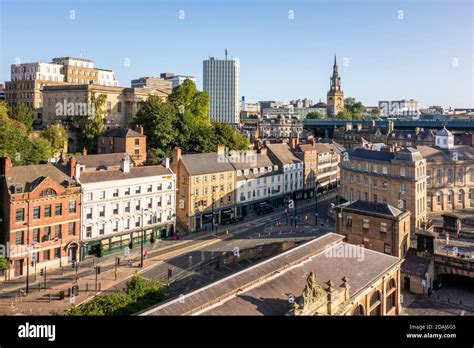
(72, 207)
(127, 207)
(115, 209)
(127, 191)
(402, 172)
(47, 233)
(20, 214)
(383, 227)
(115, 226)
(57, 231)
(349, 221)
(127, 224)
(102, 211)
(149, 188)
(58, 209)
(365, 223)
(102, 195)
(36, 212)
(450, 176)
(384, 170)
(137, 222)
(88, 213)
(150, 203)
(71, 229)
(386, 248)
(36, 235)
(19, 237)
(46, 255)
(89, 231)
(47, 210)
(102, 229)
(138, 190)
(402, 188)
(115, 193)
(57, 253)
(137, 205)
(90, 196)
(375, 198)
(384, 185)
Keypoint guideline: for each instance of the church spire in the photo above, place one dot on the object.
(334, 69)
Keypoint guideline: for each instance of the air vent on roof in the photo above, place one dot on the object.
(69, 183)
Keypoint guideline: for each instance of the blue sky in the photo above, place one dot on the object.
(281, 58)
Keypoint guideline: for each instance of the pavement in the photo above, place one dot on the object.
(182, 257)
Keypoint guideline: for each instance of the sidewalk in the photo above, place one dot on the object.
(47, 301)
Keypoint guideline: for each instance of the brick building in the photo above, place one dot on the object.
(376, 226)
(41, 216)
(124, 140)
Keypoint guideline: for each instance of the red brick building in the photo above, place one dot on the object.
(40, 216)
(124, 140)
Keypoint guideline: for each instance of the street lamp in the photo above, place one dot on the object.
(316, 185)
(143, 237)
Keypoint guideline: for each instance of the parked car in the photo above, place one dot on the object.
(265, 208)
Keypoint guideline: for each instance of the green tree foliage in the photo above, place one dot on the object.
(139, 294)
(315, 115)
(3, 264)
(56, 134)
(224, 134)
(40, 151)
(16, 144)
(375, 113)
(158, 119)
(90, 126)
(182, 120)
(23, 114)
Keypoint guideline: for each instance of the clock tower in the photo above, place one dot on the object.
(335, 101)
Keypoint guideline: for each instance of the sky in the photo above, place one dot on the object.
(386, 49)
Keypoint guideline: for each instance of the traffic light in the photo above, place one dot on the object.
(42, 272)
(98, 269)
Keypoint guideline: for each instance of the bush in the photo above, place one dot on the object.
(139, 294)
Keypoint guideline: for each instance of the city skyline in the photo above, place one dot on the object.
(386, 51)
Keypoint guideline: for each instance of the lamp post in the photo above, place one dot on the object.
(143, 237)
(316, 185)
(213, 217)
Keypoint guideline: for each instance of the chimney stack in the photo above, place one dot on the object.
(293, 143)
(6, 167)
(139, 129)
(166, 162)
(220, 149)
(72, 167)
(263, 151)
(125, 165)
(84, 152)
(176, 155)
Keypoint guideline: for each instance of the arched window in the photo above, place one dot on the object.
(450, 197)
(48, 192)
(391, 300)
(439, 197)
(450, 176)
(359, 310)
(376, 303)
(461, 196)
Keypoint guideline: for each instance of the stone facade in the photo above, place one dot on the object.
(398, 179)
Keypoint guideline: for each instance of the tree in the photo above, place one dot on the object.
(23, 114)
(344, 115)
(158, 119)
(91, 126)
(3, 264)
(56, 134)
(14, 142)
(315, 115)
(227, 136)
(375, 113)
(40, 151)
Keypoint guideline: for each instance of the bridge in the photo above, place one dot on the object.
(326, 126)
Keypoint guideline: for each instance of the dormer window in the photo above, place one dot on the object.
(239, 173)
(48, 192)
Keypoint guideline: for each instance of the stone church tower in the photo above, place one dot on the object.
(335, 101)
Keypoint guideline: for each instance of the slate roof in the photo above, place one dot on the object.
(206, 163)
(371, 207)
(253, 161)
(121, 133)
(283, 153)
(29, 176)
(415, 265)
(434, 153)
(383, 156)
(117, 174)
(106, 159)
(263, 288)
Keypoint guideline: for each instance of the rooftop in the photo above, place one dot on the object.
(107, 160)
(206, 163)
(117, 174)
(371, 207)
(29, 176)
(121, 133)
(364, 154)
(263, 289)
(283, 153)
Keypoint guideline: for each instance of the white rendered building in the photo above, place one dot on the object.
(118, 204)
